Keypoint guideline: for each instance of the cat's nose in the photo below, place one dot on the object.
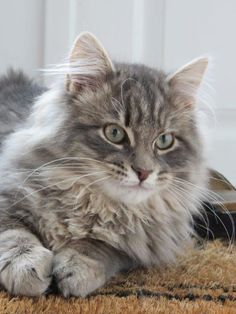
(142, 174)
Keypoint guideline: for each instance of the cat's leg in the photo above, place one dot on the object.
(25, 265)
(86, 266)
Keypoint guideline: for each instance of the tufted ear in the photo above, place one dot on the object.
(89, 63)
(187, 80)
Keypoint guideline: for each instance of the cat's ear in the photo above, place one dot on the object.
(89, 63)
(187, 80)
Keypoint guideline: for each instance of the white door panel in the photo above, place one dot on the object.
(159, 33)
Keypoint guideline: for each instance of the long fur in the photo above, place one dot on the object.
(66, 191)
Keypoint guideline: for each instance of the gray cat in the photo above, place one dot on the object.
(100, 173)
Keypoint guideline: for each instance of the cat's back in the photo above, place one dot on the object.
(17, 94)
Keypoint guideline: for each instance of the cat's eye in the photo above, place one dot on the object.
(165, 141)
(114, 133)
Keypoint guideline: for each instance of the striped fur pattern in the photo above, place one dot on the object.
(72, 206)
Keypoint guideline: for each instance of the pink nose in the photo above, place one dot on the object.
(141, 173)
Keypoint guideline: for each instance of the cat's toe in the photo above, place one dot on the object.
(76, 274)
(27, 273)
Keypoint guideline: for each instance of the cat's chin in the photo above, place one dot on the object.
(127, 194)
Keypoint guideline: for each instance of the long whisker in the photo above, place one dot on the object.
(60, 166)
(195, 172)
(212, 196)
(200, 206)
(196, 201)
(56, 183)
(186, 209)
(208, 230)
(56, 160)
(43, 175)
(173, 192)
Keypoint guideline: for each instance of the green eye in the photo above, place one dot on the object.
(165, 141)
(114, 133)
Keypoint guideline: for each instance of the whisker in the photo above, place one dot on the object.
(199, 205)
(212, 196)
(51, 185)
(180, 202)
(195, 172)
(59, 159)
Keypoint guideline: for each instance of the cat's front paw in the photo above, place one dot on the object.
(26, 270)
(77, 274)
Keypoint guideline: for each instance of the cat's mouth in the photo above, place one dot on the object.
(137, 187)
(128, 192)
(141, 186)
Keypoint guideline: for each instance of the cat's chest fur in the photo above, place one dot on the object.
(142, 231)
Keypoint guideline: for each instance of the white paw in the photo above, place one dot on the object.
(76, 274)
(26, 270)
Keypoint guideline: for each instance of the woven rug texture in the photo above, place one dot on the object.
(203, 281)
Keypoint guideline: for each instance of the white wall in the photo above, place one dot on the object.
(194, 28)
(22, 34)
(160, 33)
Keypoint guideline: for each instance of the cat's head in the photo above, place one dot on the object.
(133, 128)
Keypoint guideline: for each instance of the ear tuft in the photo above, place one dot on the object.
(89, 63)
(188, 79)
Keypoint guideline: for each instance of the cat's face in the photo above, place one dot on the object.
(134, 128)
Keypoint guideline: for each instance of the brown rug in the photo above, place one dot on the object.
(204, 281)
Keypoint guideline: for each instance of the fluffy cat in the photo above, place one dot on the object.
(100, 173)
